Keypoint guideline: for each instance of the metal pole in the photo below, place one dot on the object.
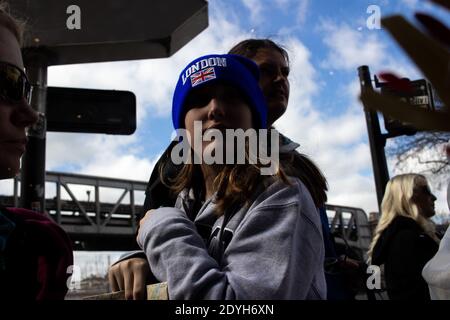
(33, 161)
(58, 200)
(133, 209)
(16, 193)
(98, 218)
(376, 140)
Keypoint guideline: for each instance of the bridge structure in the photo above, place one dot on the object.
(91, 225)
(97, 225)
(351, 229)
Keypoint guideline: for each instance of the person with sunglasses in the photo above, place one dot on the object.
(35, 253)
(15, 93)
(405, 239)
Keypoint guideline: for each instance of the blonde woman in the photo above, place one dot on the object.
(404, 239)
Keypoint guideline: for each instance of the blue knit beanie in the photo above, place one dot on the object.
(233, 70)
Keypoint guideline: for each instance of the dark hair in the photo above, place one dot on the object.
(11, 23)
(294, 163)
(299, 165)
(249, 48)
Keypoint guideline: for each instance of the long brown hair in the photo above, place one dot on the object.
(295, 163)
(300, 166)
(235, 185)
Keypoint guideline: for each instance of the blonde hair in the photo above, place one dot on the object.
(11, 23)
(397, 201)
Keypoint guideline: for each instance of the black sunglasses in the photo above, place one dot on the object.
(14, 84)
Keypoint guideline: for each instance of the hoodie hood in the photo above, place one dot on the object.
(384, 242)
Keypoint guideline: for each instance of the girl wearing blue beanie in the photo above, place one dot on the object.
(233, 233)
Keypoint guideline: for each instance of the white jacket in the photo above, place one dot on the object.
(437, 271)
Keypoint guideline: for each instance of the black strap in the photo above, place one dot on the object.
(158, 194)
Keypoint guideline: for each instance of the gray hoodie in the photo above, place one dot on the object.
(271, 250)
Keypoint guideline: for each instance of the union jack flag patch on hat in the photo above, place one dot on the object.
(202, 76)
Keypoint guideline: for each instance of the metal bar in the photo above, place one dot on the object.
(115, 208)
(97, 206)
(133, 210)
(77, 203)
(350, 223)
(376, 140)
(16, 191)
(58, 202)
(335, 220)
(52, 176)
(341, 224)
(33, 161)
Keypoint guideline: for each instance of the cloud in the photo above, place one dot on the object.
(255, 8)
(61, 147)
(282, 4)
(349, 48)
(336, 144)
(302, 11)
(128, 167)
(410, 3)
(353, 191)
(304, 81)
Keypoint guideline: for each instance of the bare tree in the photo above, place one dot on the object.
(425, 151)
